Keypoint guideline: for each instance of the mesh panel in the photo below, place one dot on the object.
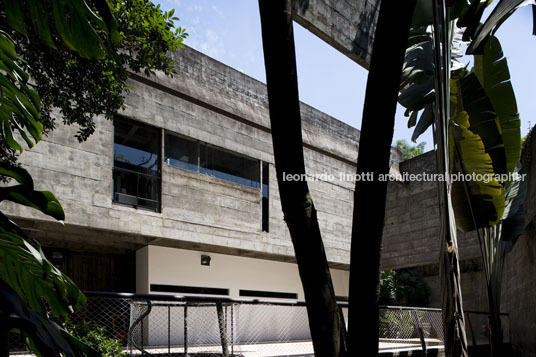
(188, 327)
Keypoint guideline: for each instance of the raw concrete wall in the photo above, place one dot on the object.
(347, 25)
(519, 277)
(411, 233)
(213, 103)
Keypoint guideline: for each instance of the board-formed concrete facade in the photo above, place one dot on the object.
(108, 246)
(215, 104)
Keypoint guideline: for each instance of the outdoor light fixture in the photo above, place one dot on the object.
(205, 260)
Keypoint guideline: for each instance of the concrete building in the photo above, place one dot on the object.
(178, 195)
(181, 189)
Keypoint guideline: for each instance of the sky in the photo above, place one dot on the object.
(230, 32)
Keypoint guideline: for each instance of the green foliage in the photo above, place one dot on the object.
(479, 202)
(42, 334)
(35, 295)
(409, 151)
(20, 105)
(404, 288)
(73, 21)
(501, 12)
(82, 88)
(492, 71)
(32, 289)
(95, 336)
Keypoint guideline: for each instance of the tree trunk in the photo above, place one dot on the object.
(327, 331)
(392, 32)
(496, 333)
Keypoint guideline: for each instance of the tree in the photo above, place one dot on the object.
(390, 42)
(298, 208)
(485, 129)
(327, 329)
(82, 87)
(409, 151)
(27, 279)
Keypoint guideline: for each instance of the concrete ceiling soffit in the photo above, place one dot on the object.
(347, 25)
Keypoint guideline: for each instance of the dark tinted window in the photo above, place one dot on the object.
(229, 166)
(195, 156)
(265, 201)
(181, 152)
(136, 164)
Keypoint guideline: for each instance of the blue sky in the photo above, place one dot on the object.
(229, 31)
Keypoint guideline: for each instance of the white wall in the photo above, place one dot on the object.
(171, 266)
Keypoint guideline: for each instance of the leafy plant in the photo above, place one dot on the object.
(92, 80)
(405, 287)
(95, 336)
(409, 151)
(35, 297)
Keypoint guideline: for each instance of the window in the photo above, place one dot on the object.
(265, 201)
(137, 177)
(199, 157)
(182, 153)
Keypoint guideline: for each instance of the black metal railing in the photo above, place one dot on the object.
(167, 325)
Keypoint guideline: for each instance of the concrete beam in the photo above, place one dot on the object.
(347, 25)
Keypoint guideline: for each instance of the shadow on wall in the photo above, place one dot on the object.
(519, 277)
(300, 6)
(364, 36)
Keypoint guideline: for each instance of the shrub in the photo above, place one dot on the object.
(95, 336)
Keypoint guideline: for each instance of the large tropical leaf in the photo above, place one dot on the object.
(471, 18)
(425, 121)
(47, 337)
(423, 14)
(25, 268)
(483, 120)
(25, 194)
(481, 198)
(417, 79)
(20, 105)
(492, 71)
(500, 13)
(74, 20)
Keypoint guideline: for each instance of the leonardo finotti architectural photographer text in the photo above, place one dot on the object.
(404, 177)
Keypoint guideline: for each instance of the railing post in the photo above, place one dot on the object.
(418, 325)
(169, 329)
(185, 330)
(232, 330)
(223, 330)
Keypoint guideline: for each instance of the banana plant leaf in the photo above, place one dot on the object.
(483, 120)
(423, 15)
(425, 121)
(491, 68)
(471, 18)
(485, 196)
(20, 106)
(75, 22)
(500, 13)
(417, 81)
